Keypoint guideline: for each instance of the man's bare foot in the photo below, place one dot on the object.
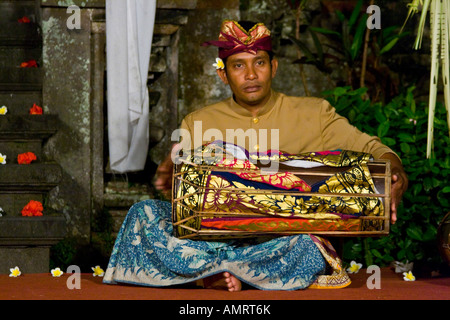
(233, 283)
(223, 281)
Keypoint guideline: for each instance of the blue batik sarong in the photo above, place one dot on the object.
(146, 253)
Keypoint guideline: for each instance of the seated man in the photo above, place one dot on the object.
(147, 253)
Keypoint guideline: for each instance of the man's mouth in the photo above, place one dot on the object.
(252, 88)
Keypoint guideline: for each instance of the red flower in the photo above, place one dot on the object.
(26, 158)
(29, 64)
(33, 209)
(35, 109)
(24, 19)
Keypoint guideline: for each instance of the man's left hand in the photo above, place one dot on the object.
(399, 183)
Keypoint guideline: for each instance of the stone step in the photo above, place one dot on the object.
(12, 10)
(117, 217)
(15, 76)
(14, 33)
(25, 242)
(20, 87)
(15, 56)
(20, 102)
(123, 195)
(45, 230)
(30, 259)
(13, 203)
(36, 177)
(28, 127)
(119, 196)
(11, 149)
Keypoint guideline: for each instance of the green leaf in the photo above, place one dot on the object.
(389, 46)
(303, 48)
(430, 233)
(415, 233)
(359, 92)
(326, 31)
(358, 39)
(340, 91)
(351, 115)
(428, 183)
(355, 13)
(405, 147)
(376, 253)
(317, 44)
(416, 189)
(401, 254)
(405, 137)
(435, 182)
(381, 118)
(388, 141)
(383, 129)
(340, 16)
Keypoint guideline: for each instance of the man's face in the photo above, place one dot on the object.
(249, 77)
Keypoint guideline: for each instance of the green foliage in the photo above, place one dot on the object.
(363, 62)
(402, 125)
(63, 253)
(321, 60)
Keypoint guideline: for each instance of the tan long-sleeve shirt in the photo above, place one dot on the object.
(289, 124)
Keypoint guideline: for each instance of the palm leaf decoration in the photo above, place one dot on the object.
(439, 31)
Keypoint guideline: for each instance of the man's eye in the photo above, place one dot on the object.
(238, 65)
(260, 62)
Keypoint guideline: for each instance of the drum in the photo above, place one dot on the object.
(212, 201)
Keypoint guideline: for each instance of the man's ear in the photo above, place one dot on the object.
(274, 67)
(223, 75)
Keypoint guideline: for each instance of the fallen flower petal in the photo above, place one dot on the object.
(29, 64)
(26, 158)
(2, 159)
(354, 267)
(56, 272)
(15, 272)
(35, 109)
(33, 209)
(401, 267)
(24, 19)
(3, 110)
(408, 276)
(98, 271)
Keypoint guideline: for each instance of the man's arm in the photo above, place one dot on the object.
(399, 183)
(164, 172)
(338, 133)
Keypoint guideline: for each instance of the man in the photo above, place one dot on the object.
(302, 124)
(249, 74)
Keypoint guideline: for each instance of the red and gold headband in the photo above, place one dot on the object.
(234, 39)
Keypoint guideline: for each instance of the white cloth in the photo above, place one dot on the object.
(129, 34)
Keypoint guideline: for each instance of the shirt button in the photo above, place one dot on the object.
(255, 120)
(256, 147)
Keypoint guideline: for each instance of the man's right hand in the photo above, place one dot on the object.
(164, 173)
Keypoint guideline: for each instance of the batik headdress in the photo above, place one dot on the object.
(234, 39)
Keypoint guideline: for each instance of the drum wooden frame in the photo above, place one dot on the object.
(380, 173)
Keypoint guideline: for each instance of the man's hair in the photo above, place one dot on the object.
(247, 25)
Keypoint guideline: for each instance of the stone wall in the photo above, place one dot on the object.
(67, 89)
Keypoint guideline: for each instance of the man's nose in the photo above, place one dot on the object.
(251, 74)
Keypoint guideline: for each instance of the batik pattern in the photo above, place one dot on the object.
(207, 192)
(146, 253)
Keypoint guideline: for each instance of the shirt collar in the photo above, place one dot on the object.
(246, 113)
